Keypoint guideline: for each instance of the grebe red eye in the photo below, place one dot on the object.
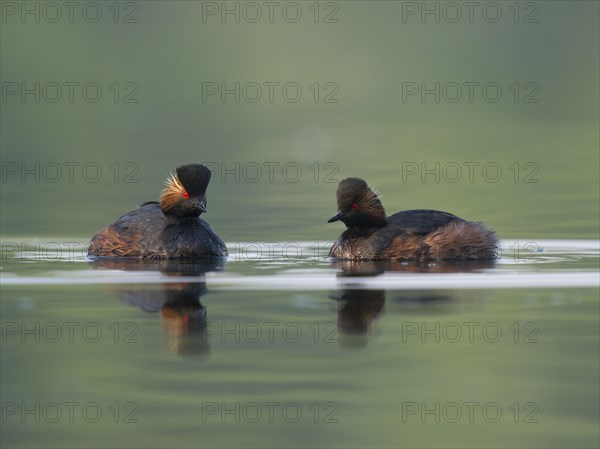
(354, 206)
(186, 195)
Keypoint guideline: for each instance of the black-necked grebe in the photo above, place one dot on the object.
(410, 235)
(169, 228)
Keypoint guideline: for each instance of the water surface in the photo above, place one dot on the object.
(288, 350)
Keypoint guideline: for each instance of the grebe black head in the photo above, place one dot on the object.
(358, 205)
(185, 194)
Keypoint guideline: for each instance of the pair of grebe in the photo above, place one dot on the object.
(172, 227)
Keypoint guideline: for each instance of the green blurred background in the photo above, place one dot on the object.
(368, 55)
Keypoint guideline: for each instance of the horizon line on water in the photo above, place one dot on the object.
(289, 278)
(325, 281)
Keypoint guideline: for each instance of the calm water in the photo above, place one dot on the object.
(281, 348)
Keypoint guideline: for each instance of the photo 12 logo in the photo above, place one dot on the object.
(273, 172)
(271, 332)
(469, 332)
(70, 412)
(269, 92)
(70, 332)
(270, 12)
(43, 251)
(261, 252)
(53, 172)
(69, 92)
(470, 12)
(469, 92)
(469, 412)
(69, 12)
(270, 412)
(469, 171)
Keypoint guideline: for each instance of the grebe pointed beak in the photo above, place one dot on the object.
(200, 205)
(336, 217)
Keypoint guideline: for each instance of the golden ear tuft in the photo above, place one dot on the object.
(172, 194)
(371, 197)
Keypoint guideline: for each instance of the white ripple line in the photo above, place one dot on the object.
(425, 281)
